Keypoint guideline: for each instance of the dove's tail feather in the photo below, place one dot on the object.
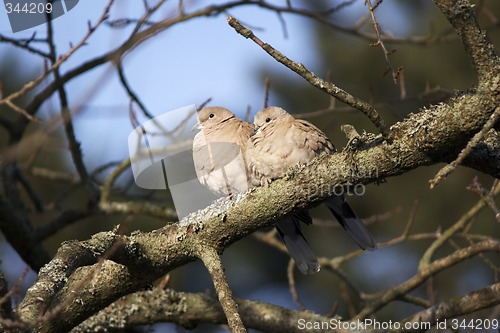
(303, 216)
(344, 214)
(298, 247)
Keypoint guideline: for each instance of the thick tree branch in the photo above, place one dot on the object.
(189, 310)
(86, 286)
(213, 263)
(15, 225)
(478, 137)
(461, 15)
(53, 276)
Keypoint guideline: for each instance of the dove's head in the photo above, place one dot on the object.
(212, 116)
(269, 116)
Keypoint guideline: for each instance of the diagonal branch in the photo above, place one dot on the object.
(445, 171)
(434, 268)
(425, 261)
(34, 83)
(213, 263)
(455, 307)
(461, 15)
(319, 83)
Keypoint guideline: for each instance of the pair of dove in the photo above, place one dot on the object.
(231, 156)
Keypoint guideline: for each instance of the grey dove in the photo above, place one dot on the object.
(220, 167)
(280, 142)
(218, 151)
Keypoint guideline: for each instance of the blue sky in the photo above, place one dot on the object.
(183, 65)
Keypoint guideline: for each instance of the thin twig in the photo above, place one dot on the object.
(33, 83)
(130, 207)
(448, 233)
(16, 288)
(203, 104)
(24, 44)
(486, 195)
(380, 42)
(73, 144)
(291, 283)
(129, 90)
(446, 170)
(432, 269)
(355, 30)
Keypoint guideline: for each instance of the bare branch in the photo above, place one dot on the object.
(291, 283)
(448, 233)
(32, 84)
(445, 171)
(213, 263)
(460, 13)
(380, 42)
(319, 83)
(189, 310)
(130, 207)
(423, 274)
(474, 301)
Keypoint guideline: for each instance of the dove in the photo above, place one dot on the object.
(280, 142)
(218, 151)
(220, 167)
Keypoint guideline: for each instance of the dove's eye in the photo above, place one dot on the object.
(268, 120)
(211, 115)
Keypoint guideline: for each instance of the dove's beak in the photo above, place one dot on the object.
(196, 126)
(255, 129)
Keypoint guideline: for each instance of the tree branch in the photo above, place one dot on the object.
(189, 310)
(478, 137)
(425, 261)
(213, 263)
(455, 307)
(15, 225)
(461, 15)
(422, 275)
(319, 83)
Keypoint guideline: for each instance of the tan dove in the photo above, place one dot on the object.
(221, 168)
(280, 142)
(218, 151)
